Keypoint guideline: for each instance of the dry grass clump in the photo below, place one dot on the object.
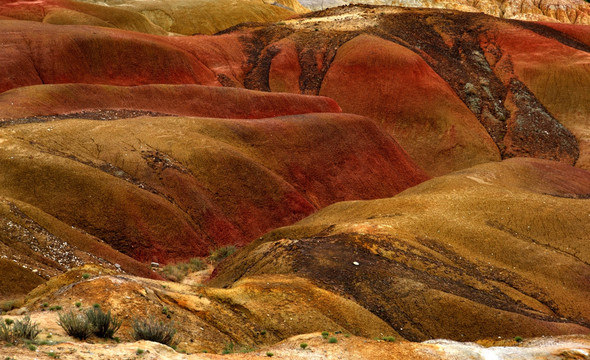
(153, 330)
(178, 271)
(11, 331)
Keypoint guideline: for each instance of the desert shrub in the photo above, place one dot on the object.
(25, 328)
(229, 348)
(332, 340)
(11, 331)
(303, 345)
(196, 264)
(6, 333)
(269, 354)
(221, 253)
(388, 338)
(103, 324)
(153, 330)
(178, 271)
(518, 339)
(174, 272)
(325, 334)
(75, 325)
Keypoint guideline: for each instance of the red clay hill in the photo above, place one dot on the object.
(238, 133)
(454, 89)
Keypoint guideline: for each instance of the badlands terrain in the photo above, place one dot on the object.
(412, 178)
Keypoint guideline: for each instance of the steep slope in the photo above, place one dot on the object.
(500, 244)
(35, 246)
(368, 60)
(160, 189)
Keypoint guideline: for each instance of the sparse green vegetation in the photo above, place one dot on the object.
(85, 276)
(78, 304)
(32, 347)
(55, 308)
(263, 332)
(178, 271)
(139, 351)
(303, 346)
(388, 338)
(221, 253)
(52, 354)
(325, 334)
(75, 325)
(26, 329)
(9, 305)
(96, 305)
(12, 331)
(104, 325)
(269, 354)
(228, 349)
(45, 305)
(332, 340)
(154, 330)
(518, 339)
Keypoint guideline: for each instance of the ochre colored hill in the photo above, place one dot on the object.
(207, 16)
(29, 102)
(68, 12)
(154, 16)
(496, 250)
(257, 315)
(566, 11)
(35, 246)
(210, 318)
(180, 187)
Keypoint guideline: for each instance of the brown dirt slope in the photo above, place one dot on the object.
(565, 11)
(210, 318)
(27, 102)
(500, 244)
(257, 315)
(67, 12)
(206, 16)
(35, 246)
(180, 187)
(154, 16)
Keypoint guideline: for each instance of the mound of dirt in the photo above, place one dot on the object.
(180, 187)
(500, 244)
(252, 318)
(51, 102)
